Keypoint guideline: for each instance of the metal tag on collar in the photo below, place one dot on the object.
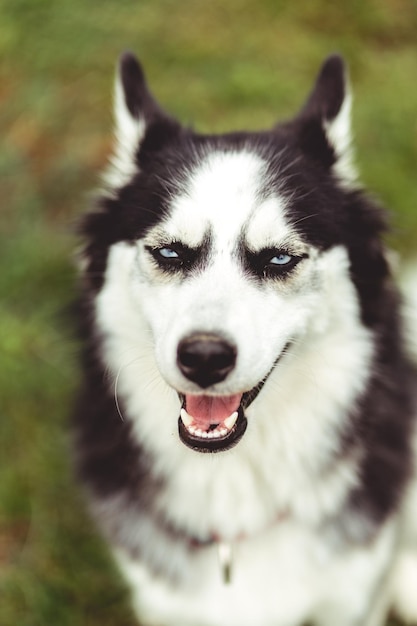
(225, 553)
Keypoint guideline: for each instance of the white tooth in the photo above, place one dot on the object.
(223, 431)
(231, 421)
(191, 429)
(198, 432)
(211, 434)
(186, 419)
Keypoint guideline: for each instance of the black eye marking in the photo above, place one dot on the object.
(273, 263)
(174, 256)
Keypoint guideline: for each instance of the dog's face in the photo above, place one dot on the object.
(223, 247)
(226, 285)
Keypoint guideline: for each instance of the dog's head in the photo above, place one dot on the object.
(227, 253)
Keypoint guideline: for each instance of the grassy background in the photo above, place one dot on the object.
(220, 64)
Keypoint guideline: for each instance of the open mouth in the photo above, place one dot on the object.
(211, 423)
(214, 423)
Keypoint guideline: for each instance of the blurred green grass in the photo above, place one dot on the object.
(218, 65)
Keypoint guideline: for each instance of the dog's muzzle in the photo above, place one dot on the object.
(211, 423)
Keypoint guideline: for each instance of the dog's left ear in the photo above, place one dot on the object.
(324, 126)
(138, 117)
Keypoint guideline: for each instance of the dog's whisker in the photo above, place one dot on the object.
(304, 218)
(116, 399)
(116, 383)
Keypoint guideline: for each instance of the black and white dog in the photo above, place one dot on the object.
(245, 428)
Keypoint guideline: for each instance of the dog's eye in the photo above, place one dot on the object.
(272, 263)
(281, 259)
(168, 253)
(173, 257)
(167, 256)
(279, 264)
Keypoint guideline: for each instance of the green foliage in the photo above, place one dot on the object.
(219, 65)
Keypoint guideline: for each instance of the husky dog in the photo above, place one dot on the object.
(246, 421)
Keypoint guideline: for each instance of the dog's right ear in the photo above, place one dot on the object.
(324, 121)
(136, 113)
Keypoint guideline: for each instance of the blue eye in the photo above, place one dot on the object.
(273, 263)
(173, 257)
(168, 253)
(281, 259)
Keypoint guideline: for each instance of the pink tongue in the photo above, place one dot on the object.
(207, 410)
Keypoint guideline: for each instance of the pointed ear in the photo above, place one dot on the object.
(325, 119)
(135, 112)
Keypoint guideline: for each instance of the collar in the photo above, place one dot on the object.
(225, 547)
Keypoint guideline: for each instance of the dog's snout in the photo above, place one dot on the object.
(206, 359)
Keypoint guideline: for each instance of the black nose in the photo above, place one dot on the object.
(205, 358)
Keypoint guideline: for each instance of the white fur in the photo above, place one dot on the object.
(339, 133)
(409, 287)
(280, 578)
(297, 414)
(129, 132)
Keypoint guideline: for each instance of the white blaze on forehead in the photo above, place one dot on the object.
(268, 227)
(223, 193)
